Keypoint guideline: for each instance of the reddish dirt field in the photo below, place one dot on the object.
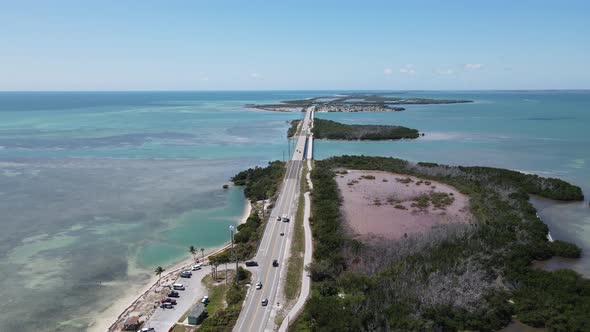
(392, 205)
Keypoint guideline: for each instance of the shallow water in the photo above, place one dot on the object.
(97, 189)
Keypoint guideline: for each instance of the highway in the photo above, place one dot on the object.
(255, 316)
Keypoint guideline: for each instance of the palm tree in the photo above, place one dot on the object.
(159, 270)
(203, 253)
(193, 251)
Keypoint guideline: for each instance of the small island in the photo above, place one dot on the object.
(327, 129)
(353, 103)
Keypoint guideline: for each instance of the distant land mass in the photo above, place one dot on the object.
(353, 103)
(327, 129)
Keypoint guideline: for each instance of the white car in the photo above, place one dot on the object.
(196, 267)
(205, 299)
(259, 285)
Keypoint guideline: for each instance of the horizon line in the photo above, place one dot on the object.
(313, 90)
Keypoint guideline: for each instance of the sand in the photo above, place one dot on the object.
(112, 318)
(386, 205)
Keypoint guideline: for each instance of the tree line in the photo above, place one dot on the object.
(327, 129)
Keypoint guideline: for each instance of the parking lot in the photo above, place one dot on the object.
(163, 319)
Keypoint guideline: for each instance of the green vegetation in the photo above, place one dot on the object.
(460, 277)
(182, 328)
(565, 249)
(224, 318)
(334, 130)
(440, 200)
(245, 241)
(261, 183)
(295, 265)
(293, 129)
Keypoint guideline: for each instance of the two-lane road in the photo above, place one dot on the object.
(254, 316)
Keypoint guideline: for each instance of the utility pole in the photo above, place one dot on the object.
(231, 230)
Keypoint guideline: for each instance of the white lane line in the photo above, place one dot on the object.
(274, 287)
(269, 238)
(288, 193)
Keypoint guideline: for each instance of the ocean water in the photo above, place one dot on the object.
(99, 188)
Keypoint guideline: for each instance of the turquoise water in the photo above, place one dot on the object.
(99, 188)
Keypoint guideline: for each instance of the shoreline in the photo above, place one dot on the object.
(120, 309)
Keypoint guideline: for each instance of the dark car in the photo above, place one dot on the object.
(251, 263)
(279, 218)
(173, 294)
(168, 300)
(275, 263)
(264, 302)
(166, 305)
(185, 274)
(282, 233)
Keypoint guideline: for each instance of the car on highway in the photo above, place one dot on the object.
(282, 234)
(265, 302)
(173, 294)
(279, 218)
(286, 219)
(251, 263)
(259, 285)
(275, 263)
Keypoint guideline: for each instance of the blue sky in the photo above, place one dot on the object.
(275, 45)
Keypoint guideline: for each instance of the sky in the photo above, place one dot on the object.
(294, 45)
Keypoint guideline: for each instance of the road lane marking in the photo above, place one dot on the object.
(288, 193)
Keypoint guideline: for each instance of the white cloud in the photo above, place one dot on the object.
(407, 69)
(473, 66)
(387, 71)
(445, 71)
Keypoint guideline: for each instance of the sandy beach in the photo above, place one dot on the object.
(392, 205)
(111, 318)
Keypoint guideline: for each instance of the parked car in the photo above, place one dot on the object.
(205, 299)
(259, 285)
(173, 294)
(275, 263)
(265, 302)
(186, 274)
(251, 263)
(166, 305)
(147, 329)
(178, 287)
(168, 300)
(197, 267)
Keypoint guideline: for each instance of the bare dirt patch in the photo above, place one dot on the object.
(395, 205)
